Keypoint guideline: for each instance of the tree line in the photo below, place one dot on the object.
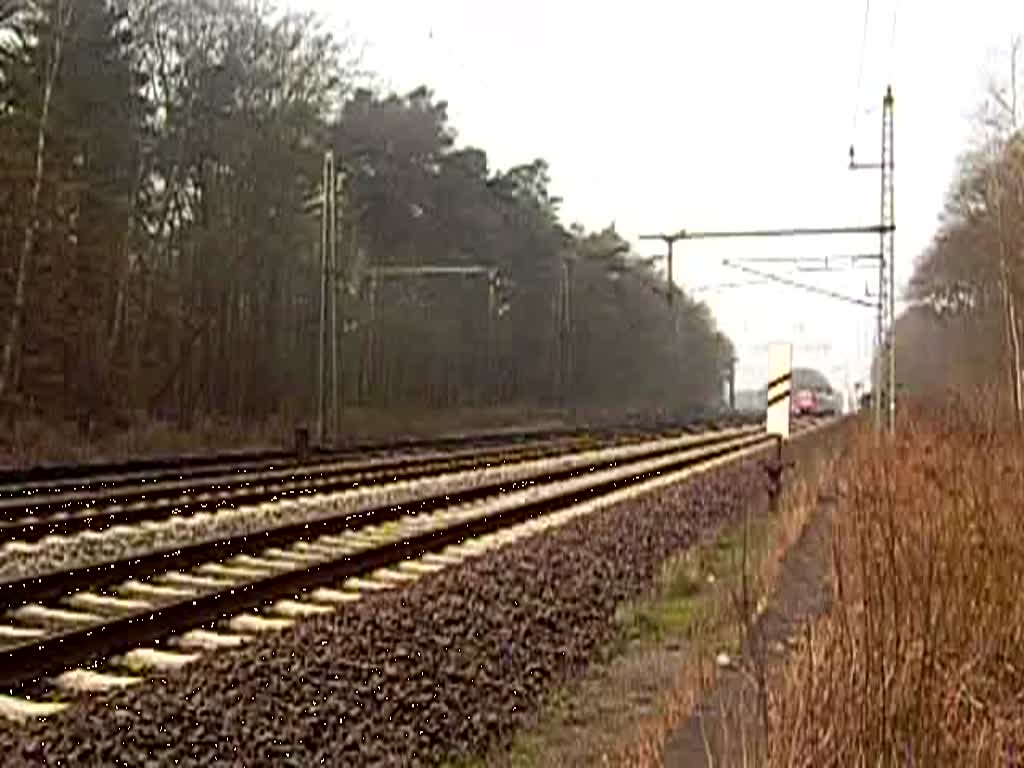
(158, 259)
(962, 333)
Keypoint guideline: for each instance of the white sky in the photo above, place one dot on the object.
(723, 114)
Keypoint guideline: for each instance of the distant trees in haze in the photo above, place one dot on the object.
(156, 260)
(965, 329)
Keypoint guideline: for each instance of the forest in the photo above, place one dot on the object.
(159, 264)
(961, 334)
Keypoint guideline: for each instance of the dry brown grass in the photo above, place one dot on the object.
(623, 712)
(754, 573)
(717, 632)
(921, 659)
(651, 676)
(797, 502)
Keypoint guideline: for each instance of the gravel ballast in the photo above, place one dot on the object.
(451, 664)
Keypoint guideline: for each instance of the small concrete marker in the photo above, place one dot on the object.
(780, 384)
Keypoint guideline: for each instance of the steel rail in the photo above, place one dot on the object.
(31, 661)
(227, 476)
(60, 513)
(50, 476)
(50, 585)
(33, 480)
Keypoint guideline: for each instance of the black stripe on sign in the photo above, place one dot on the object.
(778, 398)
(783, 379)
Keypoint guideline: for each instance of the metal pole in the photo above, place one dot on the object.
(732, 383)
(565, 332)
(371, 363)
(890, 222)
(885, 406)
(883, 371)
(491, 358)
(332, 223)
(570, 336)
(321, 356)
(669, 241)
(558, 339)
(349, 360)
(671, 285)
(881, 400)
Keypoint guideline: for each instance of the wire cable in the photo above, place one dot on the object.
(860, 68)
(892, 37)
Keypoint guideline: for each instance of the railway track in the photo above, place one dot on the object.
(59, 500)
(77, 629)
(161, 527)
(15, 483)
(94, 506)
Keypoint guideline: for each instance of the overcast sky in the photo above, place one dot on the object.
(724, 114)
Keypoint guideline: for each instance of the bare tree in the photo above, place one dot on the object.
(1004, 191)
(63, 11)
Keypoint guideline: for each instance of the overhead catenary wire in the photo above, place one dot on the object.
(726, 286)
(860, 67)
(892, 37)
(802, 286)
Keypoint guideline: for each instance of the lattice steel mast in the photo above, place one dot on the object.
(885, 407)
(883, 369)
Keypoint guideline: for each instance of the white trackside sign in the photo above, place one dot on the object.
(780, 383)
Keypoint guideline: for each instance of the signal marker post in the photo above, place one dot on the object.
(780, 385)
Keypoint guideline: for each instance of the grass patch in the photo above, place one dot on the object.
(686, 602)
